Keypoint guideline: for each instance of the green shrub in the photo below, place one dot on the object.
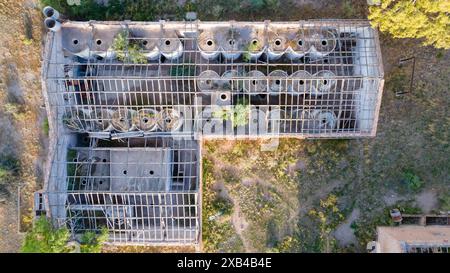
(223, 206)
(412, 181)
(237, 114)
(127, 49)
(43, 238)
(91, 242)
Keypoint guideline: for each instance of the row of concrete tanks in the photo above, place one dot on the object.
(100, 42)
(276, 120)
(251, 42)
(276, 82)
(122, 120)
(110, 41)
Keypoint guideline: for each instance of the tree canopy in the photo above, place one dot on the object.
(424, 19)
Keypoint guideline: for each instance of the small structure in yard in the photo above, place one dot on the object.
(128, 101)
(412, 239)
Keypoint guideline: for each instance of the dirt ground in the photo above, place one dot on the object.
(21, 115)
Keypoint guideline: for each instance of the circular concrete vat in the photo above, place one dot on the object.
(170, 46)
(231, 43)
(277, 82)
(102, 120)
(324, 119)
(301, 82)
(276, 122)
(277, 45)
(208, 45)
(208, 81)
(297, 47)
(169, 120)
(323, 43)
(122, 119)
(255, 82)
(145, 120)
(324, 82)
(229, 81)
(75, 40)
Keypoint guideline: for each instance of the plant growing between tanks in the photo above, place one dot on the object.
(239, 114)
(128, 49)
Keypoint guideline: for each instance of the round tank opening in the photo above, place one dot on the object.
(83, 182)
(325, 82)
(75, 41)
(255, 42)
(145, 120)
(302, 82)
(50, 23)
(300, 42)
(49, 12)
(122, 120)
(124, 172)
(98, 42)
(100, 182)
(168, 120)
(231, 41)
(75, 160)
(324, 42)
(145, 42)
(208, 120)
(167, 42)
(209, 42)
(277, 82)
(104, 160)
(223, 96)
(277, 42)
(151, 172)
(254, 82)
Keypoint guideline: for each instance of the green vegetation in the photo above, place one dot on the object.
(45, 126)
(17, 111)
(44, 238)
(90, 242)
(250, 48)
(215, 232)
(412, 181)
(128, 49)
(182, 70)
(444, 201)
(365, 227)
(237, 114)
(141, 10)
(9, 167)
(328, 216)
(425, 19)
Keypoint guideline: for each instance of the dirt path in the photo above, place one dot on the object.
(240, 224)
(20, 112)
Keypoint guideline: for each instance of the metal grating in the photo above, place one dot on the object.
(125, 119)
(324, 81)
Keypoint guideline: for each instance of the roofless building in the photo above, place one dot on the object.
(128, 103)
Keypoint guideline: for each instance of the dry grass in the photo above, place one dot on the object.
(20, 99)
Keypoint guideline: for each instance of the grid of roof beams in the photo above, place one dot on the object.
(127, 100)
